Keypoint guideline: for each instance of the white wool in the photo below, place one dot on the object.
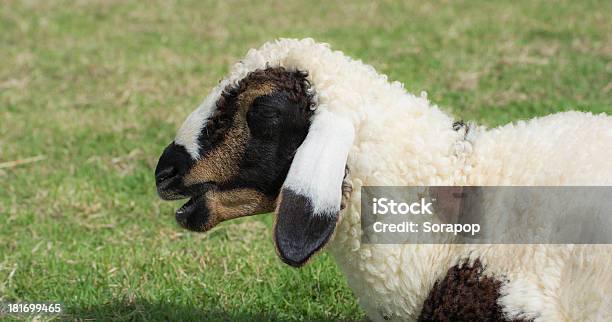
(188, 133)
(404, 140)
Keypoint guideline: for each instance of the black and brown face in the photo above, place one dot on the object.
(244, 150)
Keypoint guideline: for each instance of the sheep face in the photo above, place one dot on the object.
(257, 146)
(243, 150)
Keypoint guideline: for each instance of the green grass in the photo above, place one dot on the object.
(100, 87)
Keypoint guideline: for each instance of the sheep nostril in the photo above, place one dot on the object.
(165, 174)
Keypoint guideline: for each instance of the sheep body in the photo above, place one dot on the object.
(404, 140)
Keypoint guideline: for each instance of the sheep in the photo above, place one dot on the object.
(299, 129)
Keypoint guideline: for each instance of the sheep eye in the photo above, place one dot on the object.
(267, 112)
(264, 107)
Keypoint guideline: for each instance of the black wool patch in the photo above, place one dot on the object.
(464, 294)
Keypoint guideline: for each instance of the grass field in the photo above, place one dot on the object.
(98, 88)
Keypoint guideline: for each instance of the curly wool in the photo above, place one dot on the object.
(404, 140)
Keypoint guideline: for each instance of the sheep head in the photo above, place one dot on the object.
(259, 145)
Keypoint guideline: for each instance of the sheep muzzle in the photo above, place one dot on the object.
(203, 212)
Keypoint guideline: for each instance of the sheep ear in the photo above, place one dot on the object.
(308, 206)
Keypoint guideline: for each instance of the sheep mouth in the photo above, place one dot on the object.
(186, 210)
(193, 215)
(199, 189)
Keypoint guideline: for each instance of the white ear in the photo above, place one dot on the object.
(309, 202)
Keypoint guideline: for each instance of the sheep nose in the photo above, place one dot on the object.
(173, 162)
(162, 175)
(171, 167)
